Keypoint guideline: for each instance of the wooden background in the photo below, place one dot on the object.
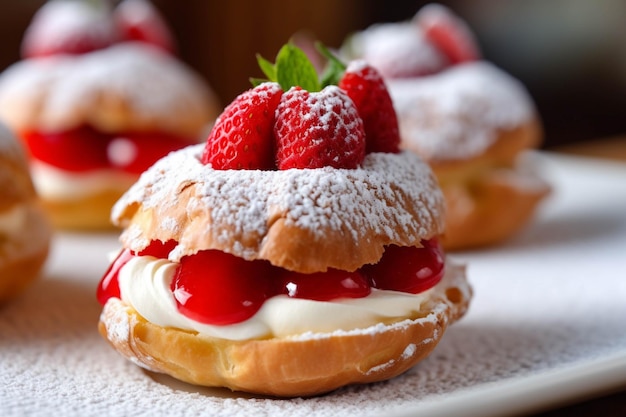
(568, 53)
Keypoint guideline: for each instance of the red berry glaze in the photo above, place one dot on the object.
(325, 286)
(448, 33)
(134, 152)
(158, 249)
(242, 137)
(109, 284)
(85, 149)
(408, 269)
(80, 149)
(315, 130)
(368, 91)
(218, 288)
(139, 20)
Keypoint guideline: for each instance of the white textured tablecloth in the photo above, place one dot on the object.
(547, 304)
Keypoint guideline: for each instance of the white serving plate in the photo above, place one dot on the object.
(547, 326)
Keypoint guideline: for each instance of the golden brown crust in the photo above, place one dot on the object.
(23, 255)
(23, 246)
(344, 217)
(490, 208)
(129, 87)
(289, 366)
(470, 122)
(510, 143)
(86, 213)
(15, 183)
(488, 198)
(126, 88)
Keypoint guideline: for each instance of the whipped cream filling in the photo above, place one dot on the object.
(145, 285)
(54, 183)
(12, 221)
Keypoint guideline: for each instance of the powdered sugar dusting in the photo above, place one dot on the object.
(393, 195)
(397, 50)
(373, 330)
(357, 65)
(406, 354)
(138, 73)
(59, 23)
(456, 114)
(381, 367)
(117, 325)
(409, 351)
(63, 91)
(326, 124)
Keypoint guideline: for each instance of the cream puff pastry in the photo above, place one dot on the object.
(282, 257)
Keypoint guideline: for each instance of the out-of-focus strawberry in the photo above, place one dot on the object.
(242, 137)
(139, 20)
(368, 91)
(448, 32)
(318, 129)
(69, 27)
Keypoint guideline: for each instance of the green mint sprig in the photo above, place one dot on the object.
(293, 68)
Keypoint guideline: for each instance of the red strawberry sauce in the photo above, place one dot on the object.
(84, 149)
(217, 288)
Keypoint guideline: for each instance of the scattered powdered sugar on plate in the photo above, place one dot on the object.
(536, 311)
(456, 113)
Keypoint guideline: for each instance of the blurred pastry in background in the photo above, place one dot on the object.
(97, 98)
(470, 120)
(25, 231)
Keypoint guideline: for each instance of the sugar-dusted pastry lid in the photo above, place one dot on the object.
(396, 50)
(303, 220)
(465, 112)
(126, 87)
(471, 123)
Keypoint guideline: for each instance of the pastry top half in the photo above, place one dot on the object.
(130, 86)
(306, 220)
(461, 114)
(470, 120)
(454, 107)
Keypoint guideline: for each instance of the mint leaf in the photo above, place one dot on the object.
(257, 81)
(293, 68)
(267, 67)
(335, 68)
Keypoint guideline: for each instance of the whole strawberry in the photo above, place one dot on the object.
(294, 119)
(139, 20)
(69, 27)
(318, 129)
(448, 32)
(366, 88)
(317, 124)
(242, 137)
